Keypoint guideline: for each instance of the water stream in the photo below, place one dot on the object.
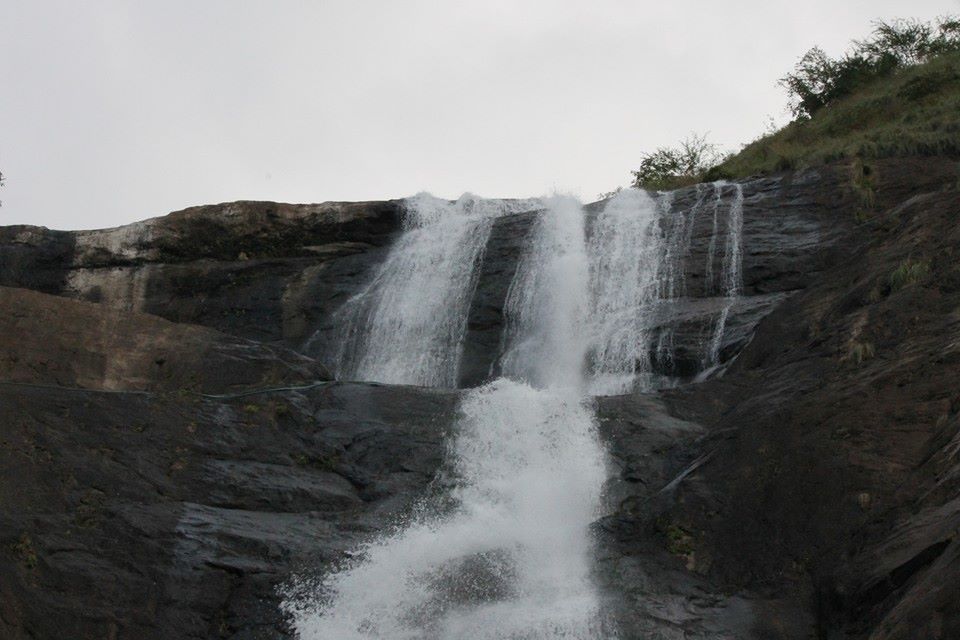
(731, 273)
(625, 249)
(508, 554)
(406, 326)
(505, 552)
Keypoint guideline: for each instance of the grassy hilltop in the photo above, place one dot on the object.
(895, 93)
(915, 111)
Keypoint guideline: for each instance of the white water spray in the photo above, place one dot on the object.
(546, 304)
(507, 553)
(638, 253)
(625, 258)
(406, 326)
(712, 248)
(510, 558)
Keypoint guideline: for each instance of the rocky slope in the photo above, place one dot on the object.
(170, 455)
(257, 270)
(175, 511)
(814, 485)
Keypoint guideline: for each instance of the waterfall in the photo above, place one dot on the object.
(625, 251)
(507, 553)
(712, 249)
(406, 326)
(731, 271)
(678, 237)
(545, 306)
(639, 248)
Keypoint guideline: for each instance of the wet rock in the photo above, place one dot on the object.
(810, 491)
(278, 273)
(155, 516)
(52, 340)
(832, 470)
(259, 270)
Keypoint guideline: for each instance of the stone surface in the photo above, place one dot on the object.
(69, 343)
(809, 491)
(258, 270)
(145, 515)
(830, 465)
(278, 273)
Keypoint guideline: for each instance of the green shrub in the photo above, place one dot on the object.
(913, 112)
(909, 272)
(818, 80)
(896, 93)
(929, 83)
(679, 542)
(672, 167)
(858, 352)
(863, 182)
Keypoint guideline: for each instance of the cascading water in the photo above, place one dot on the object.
(509, 554)
(545, 307)
(407, 325)
(625, 252)
(712, 249)
(731, 271)
(506, 552)
(677, 237)
(638, 254)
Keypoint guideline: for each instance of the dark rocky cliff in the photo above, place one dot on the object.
(275, 273)
(170, 454)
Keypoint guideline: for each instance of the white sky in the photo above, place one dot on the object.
(117, 111)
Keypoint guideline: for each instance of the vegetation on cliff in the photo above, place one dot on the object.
(895, 93)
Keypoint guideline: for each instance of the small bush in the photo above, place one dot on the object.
(926, 84)
(24, 550)
(900, 115)
(896, 93)
(909, 272)
(672, 167)
(281, 410)
(864, 187)
(678, 540)
(858, 352)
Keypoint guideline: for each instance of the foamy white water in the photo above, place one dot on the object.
(546, 306)
(708, 281)
(625, 253)
(512, 560)
(638, 250)
(508, 554)
(406, 326)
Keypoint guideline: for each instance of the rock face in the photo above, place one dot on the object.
(276, 273)
(816, 480)
(175, 513)
(78, 344)
(257, 270)
(170, 456)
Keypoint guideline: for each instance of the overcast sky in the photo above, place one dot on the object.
(118, 111)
